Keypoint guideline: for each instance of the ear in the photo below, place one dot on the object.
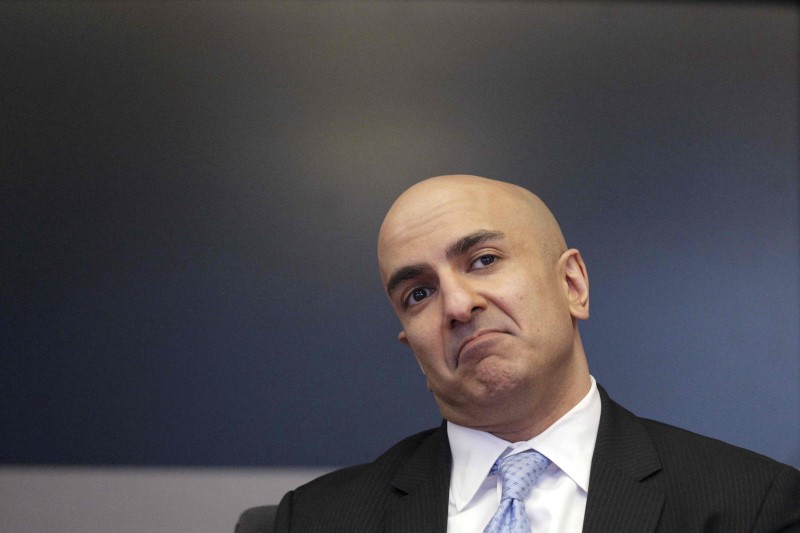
(402, 337)
(576, 283)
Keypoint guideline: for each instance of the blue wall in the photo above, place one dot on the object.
(191, 193)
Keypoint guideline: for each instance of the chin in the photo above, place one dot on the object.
(495, 375)
(490, 383)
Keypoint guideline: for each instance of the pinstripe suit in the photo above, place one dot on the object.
(645, 477)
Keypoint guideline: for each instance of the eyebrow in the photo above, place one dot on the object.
(465, 243)
(459, 247)
(405, 273)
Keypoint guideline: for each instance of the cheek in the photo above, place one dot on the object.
(536, 307)
(425, 340)
(418, 337)
(521, 299)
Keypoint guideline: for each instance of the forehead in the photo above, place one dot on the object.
(421, 227)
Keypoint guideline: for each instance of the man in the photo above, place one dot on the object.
(489, 298)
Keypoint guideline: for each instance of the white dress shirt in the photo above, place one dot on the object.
(556, 502)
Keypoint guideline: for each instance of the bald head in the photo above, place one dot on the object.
(465, 196)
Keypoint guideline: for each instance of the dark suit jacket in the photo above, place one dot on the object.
(645, 477)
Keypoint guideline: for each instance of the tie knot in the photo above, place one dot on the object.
(519, 472)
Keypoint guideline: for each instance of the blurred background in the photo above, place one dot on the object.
(191, 319)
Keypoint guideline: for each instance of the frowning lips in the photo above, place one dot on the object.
(473, 339)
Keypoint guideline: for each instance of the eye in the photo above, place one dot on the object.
(483, 261)
(417, 295)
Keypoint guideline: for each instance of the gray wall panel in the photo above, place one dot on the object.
(190, 195)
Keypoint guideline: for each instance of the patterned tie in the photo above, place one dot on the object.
(517, 472)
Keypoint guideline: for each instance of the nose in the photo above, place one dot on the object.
(461, 299)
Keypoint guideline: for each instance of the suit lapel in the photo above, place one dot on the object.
(624, 456)
(422, 487)
(618, 501)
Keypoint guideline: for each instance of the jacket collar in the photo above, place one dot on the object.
(422, 484)
(624, 456)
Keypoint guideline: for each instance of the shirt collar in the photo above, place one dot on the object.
(568, 443)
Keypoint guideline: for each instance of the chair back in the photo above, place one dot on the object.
(257, 520)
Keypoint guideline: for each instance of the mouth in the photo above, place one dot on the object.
(472, 338)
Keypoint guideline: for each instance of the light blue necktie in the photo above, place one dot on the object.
(517, 473)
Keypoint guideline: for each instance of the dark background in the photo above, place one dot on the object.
(190, 195)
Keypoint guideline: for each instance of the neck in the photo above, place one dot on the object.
(545, 415)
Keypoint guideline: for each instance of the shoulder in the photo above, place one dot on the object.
(381, 469)
(622, 434)
(743, 486)
(691, 454)
(326, 504)
(704, 480)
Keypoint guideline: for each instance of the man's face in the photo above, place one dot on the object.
(482, 298)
